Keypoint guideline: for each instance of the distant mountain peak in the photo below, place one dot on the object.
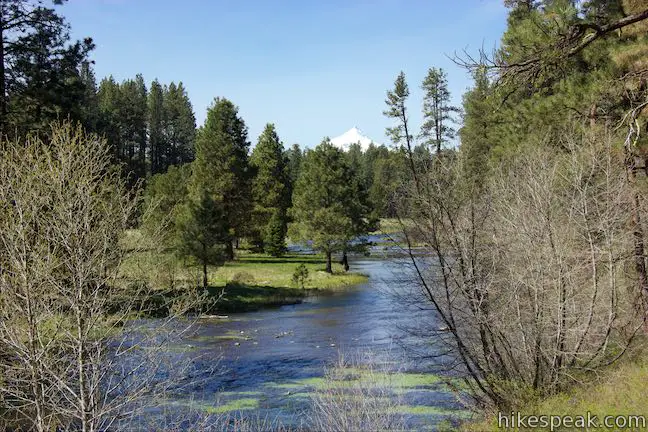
(352, 136)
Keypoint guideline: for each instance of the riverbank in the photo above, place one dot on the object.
(250, 282)
(619, 391)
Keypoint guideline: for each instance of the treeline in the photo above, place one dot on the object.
(329, 197)
(47, 77)
(323, 196)
(230, 195)
(536, 223)
(148, 129)
(227, 194)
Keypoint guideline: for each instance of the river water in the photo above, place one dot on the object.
(268, 362)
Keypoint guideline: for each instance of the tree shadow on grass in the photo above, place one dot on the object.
(286, 259)
(241, 297)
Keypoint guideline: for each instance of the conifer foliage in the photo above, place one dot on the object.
(270, 191)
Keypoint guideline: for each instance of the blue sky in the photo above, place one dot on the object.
(314, 68)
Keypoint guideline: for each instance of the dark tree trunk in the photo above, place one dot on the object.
(205, 274)
(229, 252)
(345, 261)
(329, 266)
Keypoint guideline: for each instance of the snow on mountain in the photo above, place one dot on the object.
(352, 136)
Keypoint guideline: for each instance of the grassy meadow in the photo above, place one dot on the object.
(251, 281)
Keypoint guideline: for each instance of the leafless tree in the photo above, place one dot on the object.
(73, 354)
(526, 271)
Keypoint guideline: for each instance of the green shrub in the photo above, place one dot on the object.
(300, 276)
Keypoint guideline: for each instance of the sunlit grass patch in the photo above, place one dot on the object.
(250, 282)
(390, 226)
(620, 391)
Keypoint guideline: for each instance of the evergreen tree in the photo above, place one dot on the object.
(132, 121)
(357, 161)
(156, 123)
(437, 111)
(108, 97)
(166, 196)
(274, 239)
(270, 186)
(397, 110)
(326, 208)
(90, 105)
(203, 232)
(476, 140)
(388, 175)
(221, 167)
(294, 156)
(180, 125)
(40, 77)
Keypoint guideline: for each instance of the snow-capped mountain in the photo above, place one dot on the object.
(352, 136)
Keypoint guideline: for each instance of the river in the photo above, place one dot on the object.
(268, 362)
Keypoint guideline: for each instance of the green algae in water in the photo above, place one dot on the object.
(234, 405)
(354, 376)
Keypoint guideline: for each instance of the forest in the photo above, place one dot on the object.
(133, 241)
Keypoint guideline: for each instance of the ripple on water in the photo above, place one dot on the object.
(261, 374)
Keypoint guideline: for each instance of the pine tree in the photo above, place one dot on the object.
(294, 156)
(274, 238)
(437, 111)
(180, 125)
(108, 97)
(203, 232)
(326, 207)
(476, 134)
(156, 123)
(166, 196)
(90, 105)
(132, 121)
(388, 176)
(221, 167)
(397, 110)
(39, 67)
(270, 186)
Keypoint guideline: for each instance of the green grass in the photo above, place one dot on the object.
(394, 228)
(621, 391)
(267, 271)
(390, 226)
(250, 282)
